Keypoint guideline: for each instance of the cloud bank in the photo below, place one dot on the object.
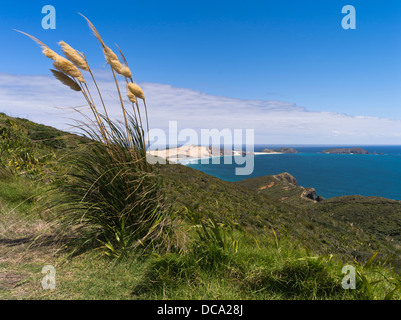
(44, 100)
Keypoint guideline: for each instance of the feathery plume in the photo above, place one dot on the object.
(60, 63)
(109, 54)
(125, 63)
(95, 32)
(122, 55)
(111, 57)
(113, 61)
(33, 38)
(66, 66)
(136, 90)
(49, 53)
(131, 97)
(74, 56)
(126, 72)
(62, 77)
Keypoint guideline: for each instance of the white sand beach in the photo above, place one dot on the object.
(259, 153)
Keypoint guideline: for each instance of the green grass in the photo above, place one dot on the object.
(348, 227)
(265, 272)
(18, 192)
(261, 268)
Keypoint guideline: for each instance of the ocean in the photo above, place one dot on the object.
(332, 175)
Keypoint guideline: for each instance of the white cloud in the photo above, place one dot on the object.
(39, 98)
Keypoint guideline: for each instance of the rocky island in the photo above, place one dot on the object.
(346, 151)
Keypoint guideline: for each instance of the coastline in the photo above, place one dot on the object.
(187, 154)
(191, 154)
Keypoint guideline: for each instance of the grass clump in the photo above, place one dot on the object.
(172, 271)
(307, 277)
(214, 241)
(110, 197)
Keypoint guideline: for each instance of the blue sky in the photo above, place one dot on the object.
(292, 52)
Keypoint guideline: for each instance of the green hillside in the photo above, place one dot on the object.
(261, 238)
(349, 227)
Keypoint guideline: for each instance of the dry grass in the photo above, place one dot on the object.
(74, 56)
(18, 233)
(136, 90)
(62, 77)
(113, 61)
(70, 75)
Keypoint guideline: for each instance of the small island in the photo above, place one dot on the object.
(280, 150)
(346, 151)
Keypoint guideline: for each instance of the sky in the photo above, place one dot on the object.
(284, 68)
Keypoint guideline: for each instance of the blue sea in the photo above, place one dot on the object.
(331, 175)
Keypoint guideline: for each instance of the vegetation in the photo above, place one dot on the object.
(109, 195)
(116, 227)
(227, 241)
(107, 198)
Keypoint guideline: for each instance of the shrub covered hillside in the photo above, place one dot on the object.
(347, 227)
(26, 147)
(220, 240)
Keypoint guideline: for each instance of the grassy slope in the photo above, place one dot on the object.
(347, 227)
(278, 231)
(355, 224)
